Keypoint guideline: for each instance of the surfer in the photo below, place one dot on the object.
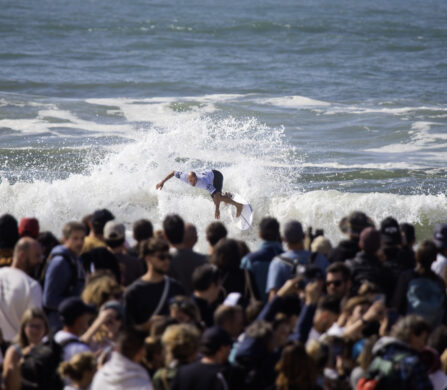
(210, 180)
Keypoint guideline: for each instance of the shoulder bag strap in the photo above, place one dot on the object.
(163, 297)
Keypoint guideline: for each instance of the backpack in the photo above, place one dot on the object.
(383, 374)
(296, 265)
(425, 297)
(74, 272)
(39, 367)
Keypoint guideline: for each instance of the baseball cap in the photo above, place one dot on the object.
(293, 231)
(390, 230)
(29, 227)
(72, 308)
(114, 231)
(440, 236)
(215, 337)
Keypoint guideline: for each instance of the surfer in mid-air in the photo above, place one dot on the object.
(210, 180)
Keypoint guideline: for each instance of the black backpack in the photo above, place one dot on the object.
(39, 367)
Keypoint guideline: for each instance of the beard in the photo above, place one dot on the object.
(160, 271)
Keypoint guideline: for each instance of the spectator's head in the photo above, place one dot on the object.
(390, 232)
(142, 230)
(80, 369)
(174, 229)
(354, 223)
(226, 255)
(216, 344)
(87, 221)
(356, 307)
(27, 255)
(130, 344)
(115, 321)
(98, 221)
(206, 282)
(243, 248)
(190, 237)
(214, 232)
(293, 233)
(154, 355)
(440, 237)
(73, 234)
(155, 252)
(281, 330)
(338, 280)
(114, 234)
(408, 234)
(100, 288)
(29, 227)
(47, 242)
(269, 229)
(181, 343)
(370, 240)
(328, 310)
(230, 318)
(9, 231)
(412, 330)
(426, 254)
(33, 327)
(321, 245)
(76, 315)
(263, 332)
(184, 310)
(289, 377)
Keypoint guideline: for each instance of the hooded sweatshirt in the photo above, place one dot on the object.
(120, 373)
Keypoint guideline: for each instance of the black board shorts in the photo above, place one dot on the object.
(217, 182)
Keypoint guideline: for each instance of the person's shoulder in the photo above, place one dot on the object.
(176, 286)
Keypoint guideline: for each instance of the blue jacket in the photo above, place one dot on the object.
(258, 263)
(60, 283)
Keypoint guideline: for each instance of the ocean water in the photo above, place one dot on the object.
(311, 109)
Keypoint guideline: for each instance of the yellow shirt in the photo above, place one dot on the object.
(92, 243)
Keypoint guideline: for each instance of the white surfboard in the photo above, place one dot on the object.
(246, 219)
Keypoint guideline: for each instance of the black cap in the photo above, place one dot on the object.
(215, 337)
(102, 216)
(440, 236)
(72, 308)
(390, 231)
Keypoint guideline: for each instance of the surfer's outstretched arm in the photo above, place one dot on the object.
(159, 186)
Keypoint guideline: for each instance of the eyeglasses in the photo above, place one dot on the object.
(164, 256)
(336, 283)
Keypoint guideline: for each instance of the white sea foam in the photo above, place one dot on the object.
(293, 102)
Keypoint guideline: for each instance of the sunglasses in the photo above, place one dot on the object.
(164, 256)
(336, 283)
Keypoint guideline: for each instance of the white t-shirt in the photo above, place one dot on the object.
(18, 292)
(204, 180)
(70, 349)
(440, 266)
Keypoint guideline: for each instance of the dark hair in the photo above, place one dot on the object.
(243, 248)
(214, 232)
(426, 254)
(47, 241)
(152, 245)
(226, 255)
(438, 339)
(339, 267)
(99, 219)
(269, 229)
(87, 220)
(204, 276)
(252, 311)
(130, 341)
(408, 233)
(289, 377)
(174, 228)
(329, 303)
(115, 243)
(9, 231)
(142, 230)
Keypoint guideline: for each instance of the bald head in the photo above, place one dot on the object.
(190, 236)
(27, 255)
(192, 178)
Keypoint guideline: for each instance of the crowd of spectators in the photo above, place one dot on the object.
(89, 310)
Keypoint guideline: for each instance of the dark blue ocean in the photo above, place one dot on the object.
(311, 109)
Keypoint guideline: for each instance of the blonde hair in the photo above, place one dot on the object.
(30, 314)
(181, 342)
(322, 245)
(100, 288)
(75, 368)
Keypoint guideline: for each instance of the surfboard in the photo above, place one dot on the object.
(246, 219)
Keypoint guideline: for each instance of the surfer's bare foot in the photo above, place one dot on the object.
(239, 208)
